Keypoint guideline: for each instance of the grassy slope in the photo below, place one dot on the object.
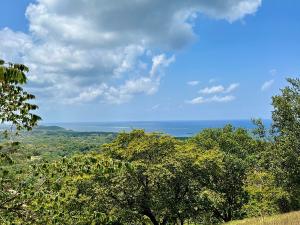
(292, 218)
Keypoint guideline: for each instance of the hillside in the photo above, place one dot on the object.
(52, 142)
(292, 218)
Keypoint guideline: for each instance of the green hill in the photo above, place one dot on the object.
(53, 142)
(292, 218)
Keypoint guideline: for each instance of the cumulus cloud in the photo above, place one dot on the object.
(267, 85)
(193, 82)
(119, 94)
(104, 50)
(215, 98)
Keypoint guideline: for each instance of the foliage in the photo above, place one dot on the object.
(226, 194)
(37, 151)
(17, 187)
(52, 143)
(69, 194)
(15, 108)
(286, 125)
(158, 186)
(264, 194)
(286, 112)
(157, 180)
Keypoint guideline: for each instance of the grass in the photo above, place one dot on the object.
(292, 218)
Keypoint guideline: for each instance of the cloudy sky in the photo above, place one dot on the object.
(104, 60)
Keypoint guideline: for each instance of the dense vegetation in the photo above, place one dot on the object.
(219, 175)
(50, 143)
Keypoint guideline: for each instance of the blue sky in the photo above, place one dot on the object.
(205, 61)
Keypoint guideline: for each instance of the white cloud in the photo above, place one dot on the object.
(219, 89)
(193, 82)
(88, 95)
(227, 98)
(123, 93)
(232, 87)
(82, 50)
(14, 44)
(267, 85)
(159, 62)
(212, 90)
(197, 100)
(215, 98)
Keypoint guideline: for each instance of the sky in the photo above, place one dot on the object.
(141, 60)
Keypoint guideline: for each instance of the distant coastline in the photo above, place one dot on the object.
(175, 128)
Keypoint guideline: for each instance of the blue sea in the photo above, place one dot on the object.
(175, 128)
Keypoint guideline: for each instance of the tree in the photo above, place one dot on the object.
(15, 111)
(286, 128)
(72, 190)
(139, 179)
(15, 108)
(159, 186)
(286, 114)
(264, 194)
(225, 195)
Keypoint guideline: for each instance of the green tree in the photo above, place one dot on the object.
(225, 195)
(139, 179)
(264, 194)
(72, 190)
(15, 112)
(286, 112)
(159, 186)
(15, 108)
(286, 128)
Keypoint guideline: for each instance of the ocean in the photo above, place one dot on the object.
(175, 128)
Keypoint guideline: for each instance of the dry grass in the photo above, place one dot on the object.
(292, 218)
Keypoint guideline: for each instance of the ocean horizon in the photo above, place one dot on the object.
(179, 128)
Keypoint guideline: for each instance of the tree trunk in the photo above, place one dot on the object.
(148, 212)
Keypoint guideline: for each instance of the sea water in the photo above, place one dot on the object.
(175, 128)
